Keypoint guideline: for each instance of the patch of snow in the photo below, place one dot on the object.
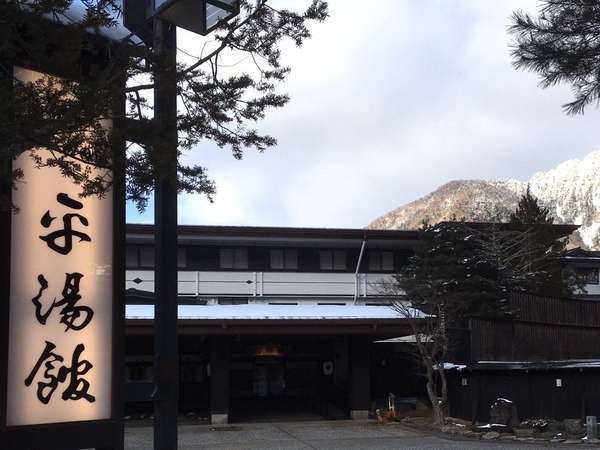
(262, 311)
(589, 234)
(490, 425)
(452, 366)
(405, 339)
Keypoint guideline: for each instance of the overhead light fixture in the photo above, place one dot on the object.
(197, 16)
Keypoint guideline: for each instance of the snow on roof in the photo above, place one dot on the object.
(412, 339)
(263, 311)
(535, 365)
(453, 366)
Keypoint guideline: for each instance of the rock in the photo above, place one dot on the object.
(555, 426)
(490, 435)
(452, 429)
(524, 432)
(545, 435)
(536, 424)
(504, 412)
(573, 426)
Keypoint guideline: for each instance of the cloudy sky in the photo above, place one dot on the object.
(386, 105)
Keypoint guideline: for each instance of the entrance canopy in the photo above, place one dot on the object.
(277, 319)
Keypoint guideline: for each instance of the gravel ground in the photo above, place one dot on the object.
(313, 435)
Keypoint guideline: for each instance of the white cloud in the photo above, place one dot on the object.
(387, 104)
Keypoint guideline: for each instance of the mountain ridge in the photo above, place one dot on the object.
(571, 191)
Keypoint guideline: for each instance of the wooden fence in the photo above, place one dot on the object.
(542, 328)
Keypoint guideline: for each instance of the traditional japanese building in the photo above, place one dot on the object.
(284, 320)
(585, 264)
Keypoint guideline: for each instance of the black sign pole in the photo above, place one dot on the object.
(165, 237)
(118, 274)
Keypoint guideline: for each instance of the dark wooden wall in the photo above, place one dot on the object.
(534, 393)
(542, 328)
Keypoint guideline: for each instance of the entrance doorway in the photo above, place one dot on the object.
(268, 378)
(276, 379)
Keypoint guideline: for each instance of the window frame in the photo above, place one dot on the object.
(332, 257)
(585, 278)
(136, 257)
(285, 252)
(235, 253)
(152, 265)
(378, 256)
(182, 261)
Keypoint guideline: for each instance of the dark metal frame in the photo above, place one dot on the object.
(233, 9)
(101, 434)
(137, 18)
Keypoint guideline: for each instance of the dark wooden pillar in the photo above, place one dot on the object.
(359, 381)
(219, 379)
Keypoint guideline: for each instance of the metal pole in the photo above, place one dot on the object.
(166, 364)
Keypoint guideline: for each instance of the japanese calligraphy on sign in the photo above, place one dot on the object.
(60, 329)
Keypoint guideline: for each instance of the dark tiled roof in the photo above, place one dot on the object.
(287, 232)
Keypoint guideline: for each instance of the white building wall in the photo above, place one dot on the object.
(264, 285)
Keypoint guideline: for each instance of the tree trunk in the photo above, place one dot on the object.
(437, 403)
(444, 394)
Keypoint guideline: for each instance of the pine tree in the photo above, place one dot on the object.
(529, 212)
(446, 279)
(562, 45)
(538, 254)
(218, 105)
(461, 271)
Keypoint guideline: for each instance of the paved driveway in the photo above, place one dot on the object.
(307, 435)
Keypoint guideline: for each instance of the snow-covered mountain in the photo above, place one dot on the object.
(571, 191)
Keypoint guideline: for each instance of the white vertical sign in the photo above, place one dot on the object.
(61, 298)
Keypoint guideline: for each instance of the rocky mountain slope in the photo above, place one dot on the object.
(571, 191)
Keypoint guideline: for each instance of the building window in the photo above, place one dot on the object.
(333, 259)
(146, 257)
(181, 257)
(137, 257)
(380, 261)
(131, 257)
(233, 258)
(284, 259)
(588, 275)
(232, 300)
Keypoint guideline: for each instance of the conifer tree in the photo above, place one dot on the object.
(529, 212)
(561, 44)
(220, 103)
(540, 250)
